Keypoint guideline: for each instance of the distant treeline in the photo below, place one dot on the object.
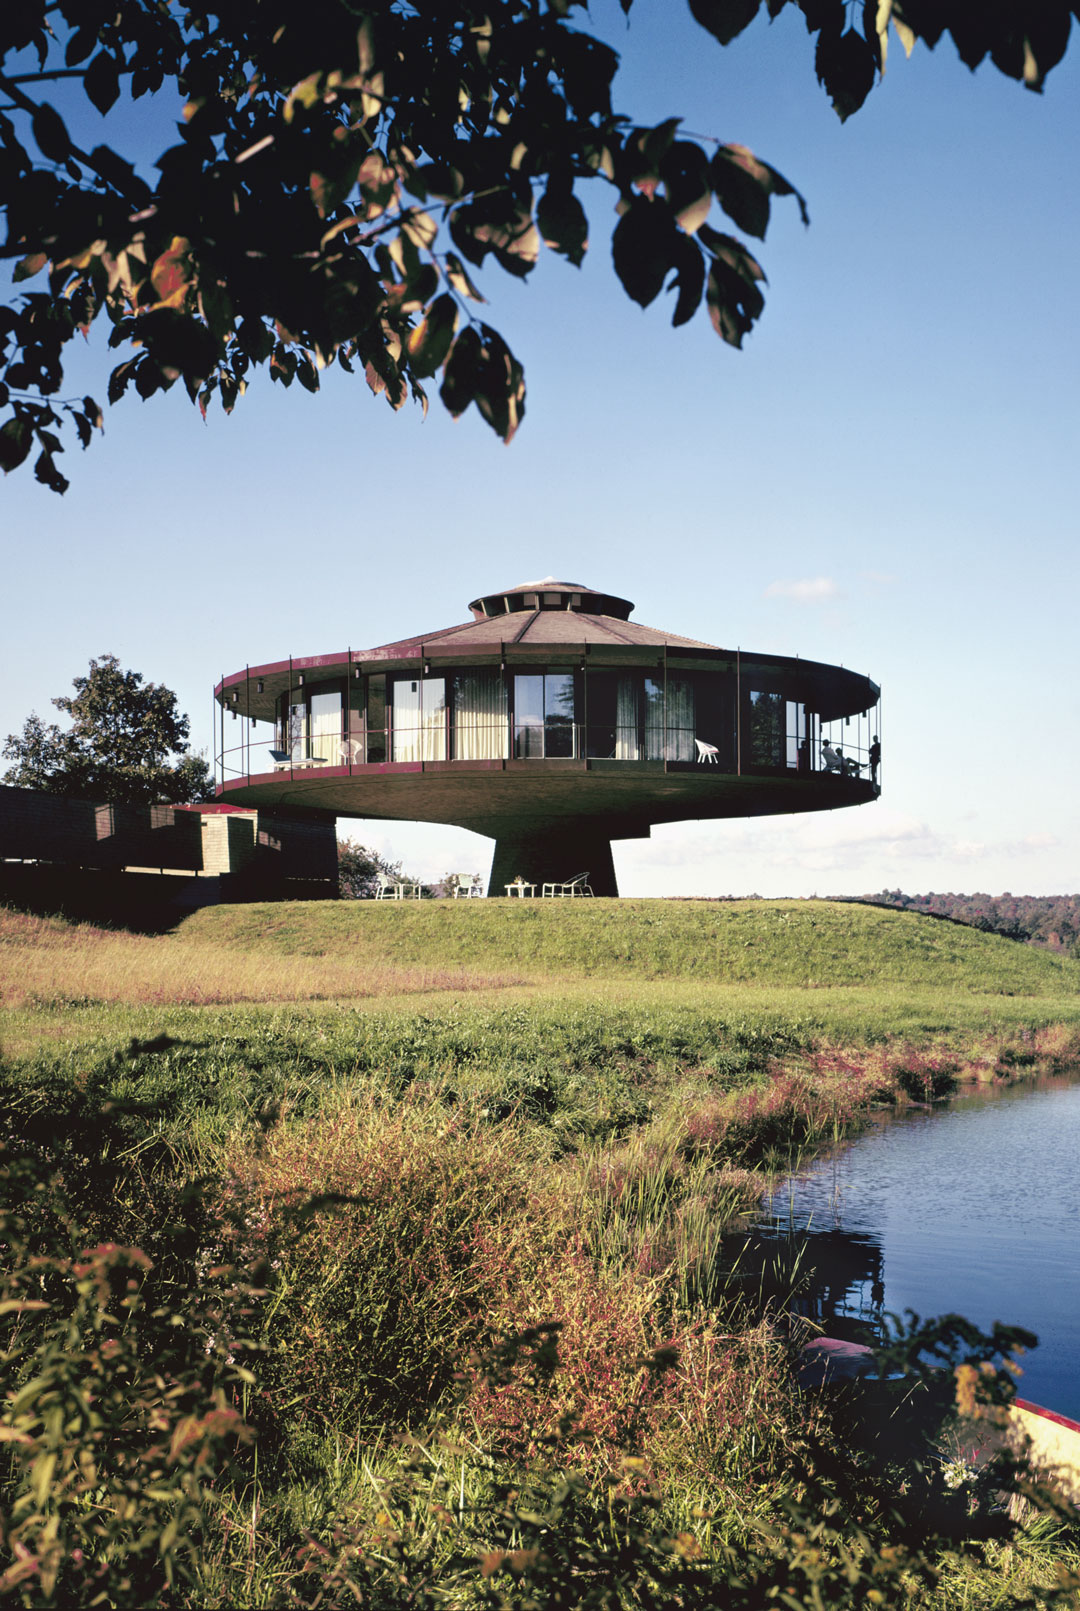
(1048, 920)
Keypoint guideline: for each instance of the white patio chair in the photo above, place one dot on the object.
(467, 885)
(707, 752)
(566, 888)
(388, 888)
(349, 751)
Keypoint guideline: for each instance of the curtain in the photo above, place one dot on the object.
(326, 725)
(680, 719)
(654, 720)
(406, 719)
(480, 718)
(627, 747)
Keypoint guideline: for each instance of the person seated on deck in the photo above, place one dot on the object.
(849, 765)
(834, 760)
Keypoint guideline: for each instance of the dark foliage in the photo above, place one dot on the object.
(127, 742)
(340, 172)
(1049, 920)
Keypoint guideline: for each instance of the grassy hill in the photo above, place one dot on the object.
(782, 944)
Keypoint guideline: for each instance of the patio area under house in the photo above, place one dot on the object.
(552, 723)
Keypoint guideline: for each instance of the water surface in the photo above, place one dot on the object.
(973, 1209)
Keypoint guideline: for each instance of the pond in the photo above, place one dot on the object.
(972, 1208)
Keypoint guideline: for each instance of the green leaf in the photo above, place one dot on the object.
(46, 472)
(102, 81)
(563, 224)
(459, 279)
(724, 19)
(29, 266)
(15, 441)
(430, 341)
(644, 247)
(743, 186)
(845, 65)
(732, 294)
(462, 373)
(80, 45)
(50, 133)
(690, 280)
(685, 172)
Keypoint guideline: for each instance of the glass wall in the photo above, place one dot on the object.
(418, 723)
(544, 716)
(632, 715)
(325, 725)
(479, 716)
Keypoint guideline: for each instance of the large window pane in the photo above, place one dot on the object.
(680, 719)
(406, 719)
(433, 719)
(326, 725)
(528, 718)
(376, 717)
(655, 733)
(544, 715)
(798, 749)
(297, 727)
(480, 730)
(602, 698)
(766, 729)
(559, 714)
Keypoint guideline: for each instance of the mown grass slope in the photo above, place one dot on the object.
(782, 944)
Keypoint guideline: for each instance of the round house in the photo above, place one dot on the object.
(552, 723)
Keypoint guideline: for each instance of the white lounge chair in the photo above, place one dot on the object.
(467, 885)
(568, 887)
(707, 752)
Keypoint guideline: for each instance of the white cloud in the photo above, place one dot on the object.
(808, 590)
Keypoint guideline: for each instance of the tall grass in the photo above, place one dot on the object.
(46, 964)
(502, 1357)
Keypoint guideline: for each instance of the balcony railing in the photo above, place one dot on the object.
(252, 756)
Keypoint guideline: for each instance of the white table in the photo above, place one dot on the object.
(521, 890)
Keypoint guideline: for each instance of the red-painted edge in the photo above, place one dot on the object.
(1047, 1415)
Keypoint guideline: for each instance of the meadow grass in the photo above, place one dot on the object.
(426, 1130)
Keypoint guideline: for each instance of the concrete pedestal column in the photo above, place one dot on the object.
(552, 852)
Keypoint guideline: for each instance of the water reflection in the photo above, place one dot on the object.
(972, 1208)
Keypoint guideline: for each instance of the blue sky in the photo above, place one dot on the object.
(885, 477)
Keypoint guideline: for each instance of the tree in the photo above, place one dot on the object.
(359, 869)
(342, 170)
(127, 742)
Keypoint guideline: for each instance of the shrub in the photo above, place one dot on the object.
(924, 1076)
(387, 1233)
(118, 1412)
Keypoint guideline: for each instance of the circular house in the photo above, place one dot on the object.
(554, 724)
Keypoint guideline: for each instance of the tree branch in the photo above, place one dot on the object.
(40, 78)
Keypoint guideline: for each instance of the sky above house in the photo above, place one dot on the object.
(885, 477)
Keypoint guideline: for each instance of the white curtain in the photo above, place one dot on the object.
(433, 719)
(406, 719)
(326, 725)
(480, 717)
(627, 747)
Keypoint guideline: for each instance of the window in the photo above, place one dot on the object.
(419, 719)
(480, 730)
(376, 717)
(325, 724)
(614, 702)
(298, 730)
(766, 729)
(544, 716)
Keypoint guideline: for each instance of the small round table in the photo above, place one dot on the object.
(520, 889)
